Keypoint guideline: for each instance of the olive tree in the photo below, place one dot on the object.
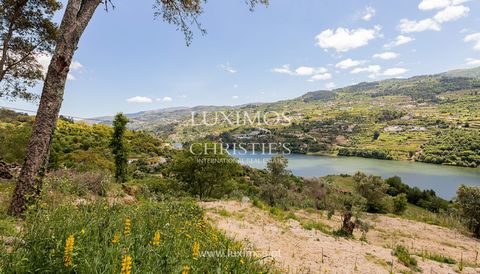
(468, 198)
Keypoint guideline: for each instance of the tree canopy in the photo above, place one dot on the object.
(28, 34)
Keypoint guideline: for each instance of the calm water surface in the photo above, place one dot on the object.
(443, 179)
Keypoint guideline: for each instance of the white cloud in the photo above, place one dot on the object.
(283, 69)
(386, 55)
(300, 71)
(399, 40)
(44, 61)
(369, 13)
(439, 4)
(451, 13)
(433, 4)
(376, 70)
(409, 26)
(320, 77)
(394, 72)
(343, 39)
(235, 86)
(228, 68)
(451, 10)
(306, 71)
(371, 69)
(75, 65)
(139, 100)
(330, 85)
(349, 63)
(235, 97)
(474, 37)
(472, 62)
(165, 99)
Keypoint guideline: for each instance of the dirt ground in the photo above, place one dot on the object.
(294, 249)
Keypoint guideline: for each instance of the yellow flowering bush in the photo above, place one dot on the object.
(148, 237)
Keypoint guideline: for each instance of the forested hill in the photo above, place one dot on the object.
(416, 118)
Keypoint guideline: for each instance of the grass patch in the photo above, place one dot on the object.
(379, 261)
(159, 237)
(259, 204)
(318, 226)
(282, 215)
(419, 214)
(7, 226)
(223, 212)
(405, 258)
(437, 257)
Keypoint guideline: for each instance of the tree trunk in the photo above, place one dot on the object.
(76, 18)
(347, 225)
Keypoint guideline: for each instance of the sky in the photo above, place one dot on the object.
(128, 61)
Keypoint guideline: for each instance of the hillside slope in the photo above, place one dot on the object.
(298, 250)
(399, 119)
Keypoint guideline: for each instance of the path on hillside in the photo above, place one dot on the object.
(297, 250)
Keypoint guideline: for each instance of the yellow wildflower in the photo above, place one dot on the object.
(126, 264)
(116, 238)
(68, 255)
(186, 268)
(242, 261)
(156, 238)
(195, 250)
(128, 227)
(83, 231)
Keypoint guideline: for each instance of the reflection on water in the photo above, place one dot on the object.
(443, 179)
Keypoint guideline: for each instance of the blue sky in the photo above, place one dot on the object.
(129, 62)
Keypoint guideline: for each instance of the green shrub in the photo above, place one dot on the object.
(373, 189)
(158, 188)
(400, 203)
(206, 171)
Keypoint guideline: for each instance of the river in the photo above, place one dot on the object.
(444, 180)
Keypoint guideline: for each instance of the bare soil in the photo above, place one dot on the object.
(294, 249)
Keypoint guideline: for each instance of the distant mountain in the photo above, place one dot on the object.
(470, 73)
(418, 88)
(151, 118)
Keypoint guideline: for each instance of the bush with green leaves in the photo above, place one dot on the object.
(205, 171)
(374, 190)
(423, 198)
(400, 203)
(468, 199)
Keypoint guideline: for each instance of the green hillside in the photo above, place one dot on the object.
(396, 119)
(75, 145)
